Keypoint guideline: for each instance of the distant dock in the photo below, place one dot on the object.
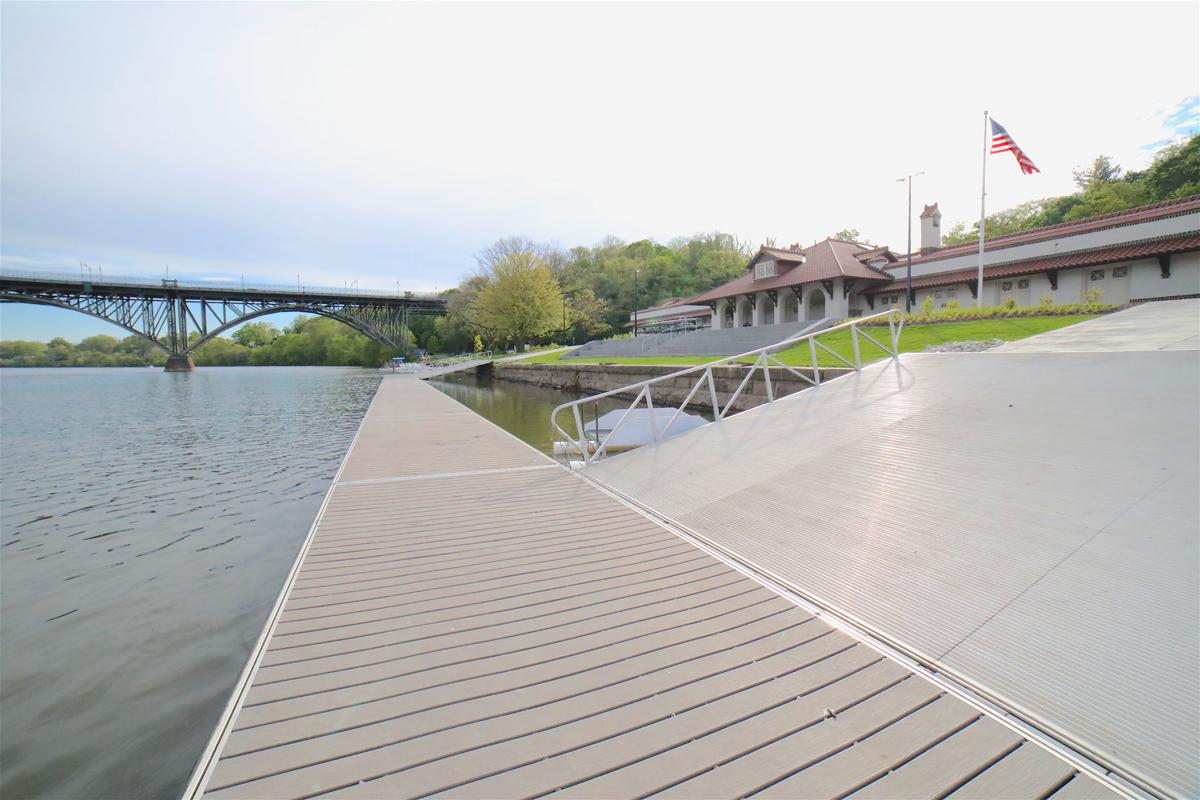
(469, 619)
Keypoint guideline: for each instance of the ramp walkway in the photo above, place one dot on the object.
(1024, 522)
(469, 619)
(705, 342)
(1164, 325)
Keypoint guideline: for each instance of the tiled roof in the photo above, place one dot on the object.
(1116, 219)
(930, 211)
(781, 253)
(1086, 258)
(876, 252)
(670, 301)
(702, 312)
(823, 261)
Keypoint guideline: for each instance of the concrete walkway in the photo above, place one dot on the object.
(1025, 521)
(1167, 325)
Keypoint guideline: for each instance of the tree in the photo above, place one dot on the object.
(1102, 171)
(258, 334)
(549, 252)
(522, 299)
(1106, 198)
(1175, 171)
(585, 310)
(1010, 220)
(101, 343)
(851, 235)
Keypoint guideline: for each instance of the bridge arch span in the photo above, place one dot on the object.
(353, 322)
(167, 315)
(43, 301)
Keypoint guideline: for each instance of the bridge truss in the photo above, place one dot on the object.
(167, 313)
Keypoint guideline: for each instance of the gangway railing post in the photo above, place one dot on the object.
(812, 349)
(650, 408)
(763, 357)
(712, 390)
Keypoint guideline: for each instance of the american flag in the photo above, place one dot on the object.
(1003, 143)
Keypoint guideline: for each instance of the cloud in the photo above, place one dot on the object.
(388, 142)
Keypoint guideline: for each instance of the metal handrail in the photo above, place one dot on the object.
(484, 355)
(595, 450)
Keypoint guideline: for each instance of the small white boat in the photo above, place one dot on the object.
(635, 431)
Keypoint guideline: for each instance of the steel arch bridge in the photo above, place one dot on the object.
(166, 312)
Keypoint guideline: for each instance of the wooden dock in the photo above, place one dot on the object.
(469, 619)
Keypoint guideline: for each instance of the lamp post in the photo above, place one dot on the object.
(908, 222)
(565, 295)
(636, 302)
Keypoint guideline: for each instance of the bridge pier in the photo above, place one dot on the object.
(178, 363)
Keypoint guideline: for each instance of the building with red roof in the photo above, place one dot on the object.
(1131, 256)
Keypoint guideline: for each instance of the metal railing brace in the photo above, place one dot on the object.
(593, 450)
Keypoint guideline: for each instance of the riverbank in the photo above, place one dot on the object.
(914, 338)
(589, 379)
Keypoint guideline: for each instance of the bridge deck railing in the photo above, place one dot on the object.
(118, 281)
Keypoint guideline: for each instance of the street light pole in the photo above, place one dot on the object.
(636, 302)
(908, 222)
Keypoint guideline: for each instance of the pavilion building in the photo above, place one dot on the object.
(1131, 256)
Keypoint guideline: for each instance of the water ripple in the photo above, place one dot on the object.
(115, 671)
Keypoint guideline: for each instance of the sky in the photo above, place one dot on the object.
(389, 142)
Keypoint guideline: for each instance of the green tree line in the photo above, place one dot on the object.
(306, 341)
(1103, 188)
(524, 291)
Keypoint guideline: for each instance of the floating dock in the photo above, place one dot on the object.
(469, 619)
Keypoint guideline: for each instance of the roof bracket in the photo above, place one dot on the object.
(847, 285)
(828, 284)
(774, 295)
(1164, 264)
(1052, 276)
(752, 299)
(974, 287)
(798, 291)
(870, 300)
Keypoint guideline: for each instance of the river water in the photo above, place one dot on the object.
(148, 522)
(520, 408)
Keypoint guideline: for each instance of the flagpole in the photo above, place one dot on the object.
(982, 212)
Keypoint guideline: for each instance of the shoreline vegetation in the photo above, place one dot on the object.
(307, 341)
(919, 331)
(536, 293)
(914, 338)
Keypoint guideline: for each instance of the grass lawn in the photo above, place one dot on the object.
(914, 338)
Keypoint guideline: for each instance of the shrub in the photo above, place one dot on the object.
(927, 306)
(1092, 297)
(1046, 300)
(478, 344)
(1009, 304)
(952, 304)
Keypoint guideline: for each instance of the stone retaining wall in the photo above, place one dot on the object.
(596, 378)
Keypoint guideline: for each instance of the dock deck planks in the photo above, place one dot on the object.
(471, 620)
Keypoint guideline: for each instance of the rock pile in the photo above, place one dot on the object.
(963, 347)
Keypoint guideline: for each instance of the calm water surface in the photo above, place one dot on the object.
(521, 409)
(148, 522)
